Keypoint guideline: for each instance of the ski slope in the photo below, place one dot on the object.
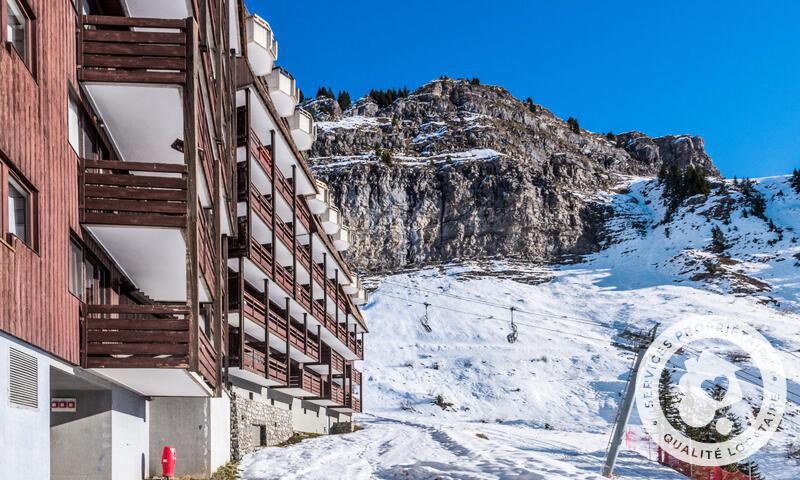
(543, 406)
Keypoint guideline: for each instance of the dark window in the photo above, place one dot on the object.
(96, 278)
(82, 134)
(19, 29)
(75, 268)
(262, 431)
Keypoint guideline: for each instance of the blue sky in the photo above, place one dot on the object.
(728, 71)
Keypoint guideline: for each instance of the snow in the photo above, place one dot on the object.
(352, 122)
(546, 404)
(441, 159)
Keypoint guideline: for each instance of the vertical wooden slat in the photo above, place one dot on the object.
(191, 158)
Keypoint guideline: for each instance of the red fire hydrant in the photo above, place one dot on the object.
(168, 458)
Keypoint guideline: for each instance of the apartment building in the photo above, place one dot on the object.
(170, 270)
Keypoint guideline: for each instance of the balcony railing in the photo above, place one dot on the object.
(255, 361)
(306, 380)
(260, 153)
(260, 205)
(133, 50)
(333, 358)
(283, 277)
(145, 336)
(113, 196)
(307, 345)
(333, 392)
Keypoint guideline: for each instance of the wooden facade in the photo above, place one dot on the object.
(76, 192)
(35, 303)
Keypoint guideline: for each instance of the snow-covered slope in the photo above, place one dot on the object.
(542, 407)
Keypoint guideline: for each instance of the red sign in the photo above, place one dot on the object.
(63, 405)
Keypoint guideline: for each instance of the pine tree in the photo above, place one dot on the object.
(718, 242)
(668, 398)
(574, 125)
(475, 81)
(324, 92)
(344, 99)
(795, 180)
(610, 136)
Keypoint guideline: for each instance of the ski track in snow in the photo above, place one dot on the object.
(546, 403)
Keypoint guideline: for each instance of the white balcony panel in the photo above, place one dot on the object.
(174, 9)
(331, 220)
(153, 258)
(283, 91)
(341, 239)
(303, 128)
(319, 201)
(361, 297)
(352, 287)
(262, 48)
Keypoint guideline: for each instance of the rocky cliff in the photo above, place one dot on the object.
(463, 171)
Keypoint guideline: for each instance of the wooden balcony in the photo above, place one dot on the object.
(134, 194)
(283, 278)
(261, 154)
(249, 361)
(304, 382)
(307, 344)
(332, 395)
(144, 337)
(134, 50)
(332, 358)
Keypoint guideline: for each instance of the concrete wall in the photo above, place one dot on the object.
(110, 425)
(24, 431)
(198, 428)
(130, 435)
(90, 427)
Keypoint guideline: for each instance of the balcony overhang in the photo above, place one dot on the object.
(157, 382)
(153, 258)
(331, 220)
(175, 9)
(303, 128)
(341, 239)
(282, 91)
(262, 48)
(318, 203)
(361, 297)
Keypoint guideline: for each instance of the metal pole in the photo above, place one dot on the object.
(622, 419)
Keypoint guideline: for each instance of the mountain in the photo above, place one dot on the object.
(462, 402)
(458, 170)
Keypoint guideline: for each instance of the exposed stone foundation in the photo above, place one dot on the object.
(256, 424)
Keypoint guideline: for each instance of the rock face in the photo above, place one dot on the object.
(475, 173)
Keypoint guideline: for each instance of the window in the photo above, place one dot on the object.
(74, 124)
(18, 211)
(96, 282)
(75, 268)
(18, 207)
(83, 136)
(18, 29)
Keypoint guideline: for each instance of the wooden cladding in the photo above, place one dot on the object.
(113, 195)
(110, 53)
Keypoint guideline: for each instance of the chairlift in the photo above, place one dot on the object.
(512, 337)
(424, 320)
